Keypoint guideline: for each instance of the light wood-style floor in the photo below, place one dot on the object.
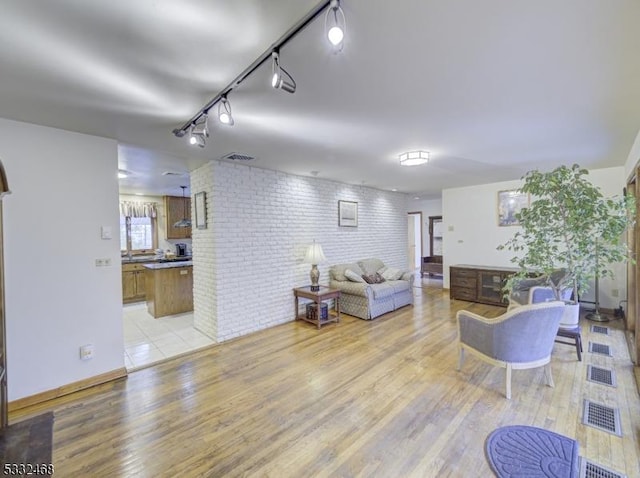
(362, 398)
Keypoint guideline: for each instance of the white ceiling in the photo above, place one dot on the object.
(492, 88)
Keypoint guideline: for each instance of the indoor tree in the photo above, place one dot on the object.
(569, 225)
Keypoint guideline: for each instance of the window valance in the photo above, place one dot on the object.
(138, 209)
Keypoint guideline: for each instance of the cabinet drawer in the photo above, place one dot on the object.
(462, 293)
(464, 282)
(463, 272)
(132, 267)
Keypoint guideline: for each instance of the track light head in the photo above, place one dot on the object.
(200, 132)
(280, 78)
(335, 24)
(197, 139)
(224, 112)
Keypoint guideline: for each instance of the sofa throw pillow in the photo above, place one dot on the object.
(353, 277)
(374, 278)
(392, 273)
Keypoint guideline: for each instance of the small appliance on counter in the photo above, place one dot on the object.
(181, 249)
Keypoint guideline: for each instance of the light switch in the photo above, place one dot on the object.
(105, 232)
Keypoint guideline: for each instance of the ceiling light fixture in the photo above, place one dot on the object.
(122, 174)
(224, 112)
(186, 128)
(200, 132)
(335, 24)
(281, 79)
(414, 158)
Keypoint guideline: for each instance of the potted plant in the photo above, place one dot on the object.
(569, 226)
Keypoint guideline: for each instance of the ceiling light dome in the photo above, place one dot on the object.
(414, 158)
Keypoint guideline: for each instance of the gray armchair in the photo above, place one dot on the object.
(519, 339)
(526, 292)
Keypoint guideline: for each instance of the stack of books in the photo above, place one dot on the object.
(312, 311)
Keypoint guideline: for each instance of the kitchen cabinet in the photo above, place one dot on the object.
(176, 208)
(133, 282)
(481, 284)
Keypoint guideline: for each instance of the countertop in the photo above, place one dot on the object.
(168, 265)
(153, 259)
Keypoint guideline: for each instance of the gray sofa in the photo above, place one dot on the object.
(368, 301)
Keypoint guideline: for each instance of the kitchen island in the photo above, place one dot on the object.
(169, 288)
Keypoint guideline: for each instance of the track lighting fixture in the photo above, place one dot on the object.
(224, 112)
(335, 29)
(200, 132)
(335, 24)
(280, 78)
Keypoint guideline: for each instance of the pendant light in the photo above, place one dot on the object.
(184, 222)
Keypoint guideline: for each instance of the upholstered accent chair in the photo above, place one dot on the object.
(569, 332)
(521, 338)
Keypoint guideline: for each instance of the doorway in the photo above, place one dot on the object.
(632, 318)
(414, 240)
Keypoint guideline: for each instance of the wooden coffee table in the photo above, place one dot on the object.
(325, 293)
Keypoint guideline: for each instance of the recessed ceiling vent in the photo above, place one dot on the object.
(239, 157)
(172, 173)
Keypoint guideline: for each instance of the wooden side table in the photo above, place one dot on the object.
(325, 293)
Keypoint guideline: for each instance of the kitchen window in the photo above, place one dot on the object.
(138, 234)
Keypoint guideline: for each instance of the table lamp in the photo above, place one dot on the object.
(314, 256)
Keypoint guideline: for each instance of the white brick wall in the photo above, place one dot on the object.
(260, 223)
(204, 270)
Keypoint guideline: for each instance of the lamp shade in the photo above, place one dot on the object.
(314, 254)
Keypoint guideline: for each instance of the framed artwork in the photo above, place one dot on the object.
(347, 214)
(510, 203)
(201, 210)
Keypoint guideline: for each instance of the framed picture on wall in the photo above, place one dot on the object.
(510, 203)
(347, 214)
(201, 210)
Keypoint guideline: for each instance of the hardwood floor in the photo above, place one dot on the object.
(361, 398)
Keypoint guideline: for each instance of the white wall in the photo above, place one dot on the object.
(161, 221)
(428, 207)
(261, 224)
(64, 188)
(471, 231)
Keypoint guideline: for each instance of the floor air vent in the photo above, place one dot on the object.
(601, 349)
(588, 469)
(601, 417)
(599, 329)
(601, 375)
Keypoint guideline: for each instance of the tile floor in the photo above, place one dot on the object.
(148, 340)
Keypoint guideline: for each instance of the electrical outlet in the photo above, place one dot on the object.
(86, 352)
(99, 262)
